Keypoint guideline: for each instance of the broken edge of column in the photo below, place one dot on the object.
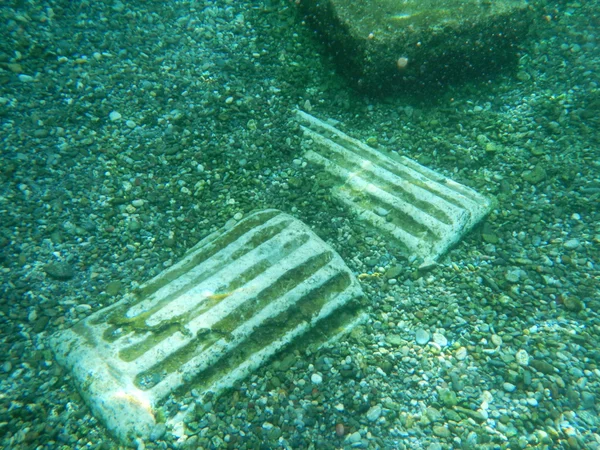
(180, 332)
(423, 211)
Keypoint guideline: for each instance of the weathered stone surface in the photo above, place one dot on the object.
(420, 212)
(387, 44)
(239, 296)
(59, 271)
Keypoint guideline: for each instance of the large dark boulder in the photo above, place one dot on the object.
(419, 44)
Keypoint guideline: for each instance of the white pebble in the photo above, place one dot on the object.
(316, 378)
(114, 115)
(83, 308)
(440, 339)
(461, 353)
(137, 203)
(509, 387)
(487, 397)
(374, 413)
(25, 78)
(513, 276)
(522, 357)
(380, 211)
(422, 336)
(354, 437)
(571, 244)
(496, 340)
(131, 124)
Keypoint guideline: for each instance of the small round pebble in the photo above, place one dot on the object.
(440, 339)
(461, 353)
(588, 400)
(509, 387)
(316, 378)
(374, 413)
(422, 336)
(83, 308)
(522, 357)
(496, 340)
(571, 244)
(6, 367)
(353, 438)
(59, 271)
(513, 276)
(114, 116)
(441, 431)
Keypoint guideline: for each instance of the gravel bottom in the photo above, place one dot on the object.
(131, 130)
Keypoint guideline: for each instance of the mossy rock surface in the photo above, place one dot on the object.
(390, 44)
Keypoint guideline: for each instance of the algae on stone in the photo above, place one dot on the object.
(383, 44)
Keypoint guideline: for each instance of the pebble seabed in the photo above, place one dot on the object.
(130, 130)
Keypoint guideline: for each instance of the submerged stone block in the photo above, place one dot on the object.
(387, 44)
(421, 211)
(238, 297)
